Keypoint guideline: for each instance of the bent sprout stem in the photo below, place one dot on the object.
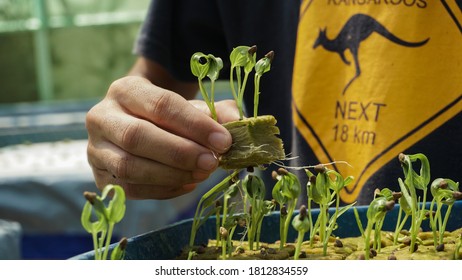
(445, 192)
(412, 182)
(206, 200)
(286, 190)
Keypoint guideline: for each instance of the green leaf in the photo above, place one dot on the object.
(264, 64)
(335, 184)
(277, 193)
(405, 201)
(376, 209)
(301, 222)
(348, 180)
(215, 65)
(443, 190)
(254, 186)
(116, 207)
(86, 219)
(251, 58)
(200, 65)
(239, 56)
(416, 180)
(321, 193)
(387, 193)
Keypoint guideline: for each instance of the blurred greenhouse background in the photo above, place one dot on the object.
(65, 49)
(57, 59)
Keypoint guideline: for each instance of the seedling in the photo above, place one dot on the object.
(262, 66)
(458, 246)
(324, 189)
(106, 217)
(206, 207)
(229, 220)
(285, 192)
(445, 192)
(207, 66)
(255, 141)
(242, 60)
(301, 224)
(382, 203)
(259, 207)
(410, 202)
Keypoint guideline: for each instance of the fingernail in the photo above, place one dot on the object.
(220, 142)
(207, 162)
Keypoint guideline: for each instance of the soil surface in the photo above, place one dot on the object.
(351, 248)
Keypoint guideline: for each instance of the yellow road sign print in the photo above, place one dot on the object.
(372, 78)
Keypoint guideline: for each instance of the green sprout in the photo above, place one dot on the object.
(207, 66)
(262, 66)
(301, 224)
(206, 207)
(324, 189)
(444, 192)
(242, 59)
(409, 201)
(458, 246)
(106, 217)
(229, 220)
(285, 192)
(259, 207)
(382, 203)
(218, 208)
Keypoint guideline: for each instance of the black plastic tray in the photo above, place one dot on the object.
(167, 243)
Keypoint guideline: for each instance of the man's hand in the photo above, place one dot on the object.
(152, 141)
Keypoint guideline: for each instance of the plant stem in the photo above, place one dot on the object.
(322, 222)
(281, 231)
(358, 221)
(256, 95)
(241, 93)
(208, 101)
(108, 239)
(230, 238)
(367, 240)
(288, 220)
(217, 226)
(95, 245)
(399, 227)
(300, 237)
(443, 228)
(332, 223)
(197, 215)
(259, 232)
(231, 82)
(223, 249)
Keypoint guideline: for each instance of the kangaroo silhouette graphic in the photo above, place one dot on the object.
(357, 29)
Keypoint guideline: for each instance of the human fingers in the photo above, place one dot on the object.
(144, 139)
(141, 178)
(129, 147)
(170, 112)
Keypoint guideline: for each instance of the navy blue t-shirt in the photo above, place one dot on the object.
(175, 29)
